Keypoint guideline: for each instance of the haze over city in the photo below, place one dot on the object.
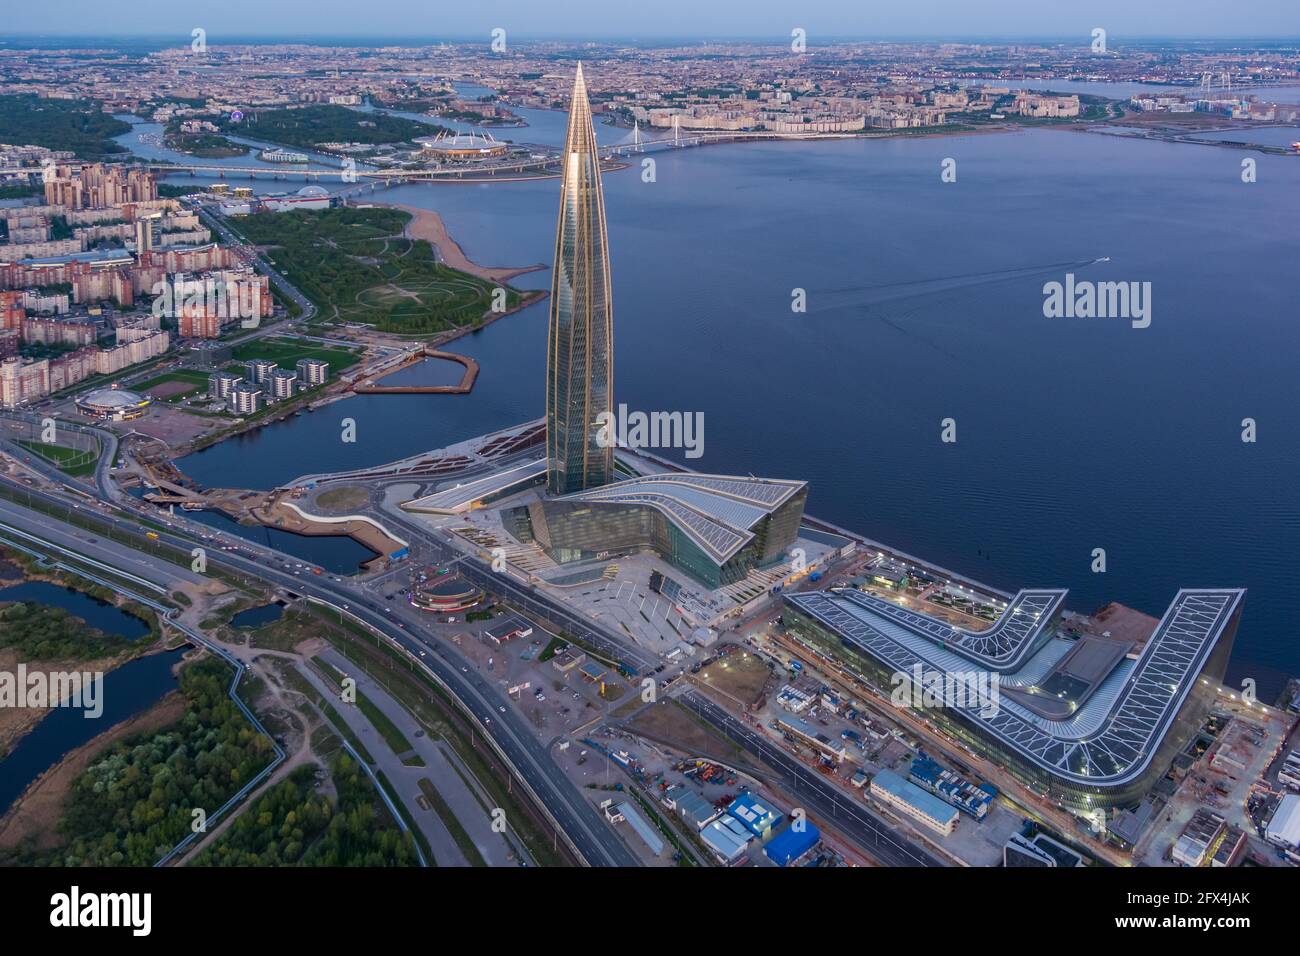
(579, 20)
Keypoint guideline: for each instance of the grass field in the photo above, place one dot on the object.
(286, 353)
(378, 719)
(173, 386)
(356, 266)
(347, 498)
(76, 462)
(448, 817)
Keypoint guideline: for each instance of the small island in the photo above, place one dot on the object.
(200, 138)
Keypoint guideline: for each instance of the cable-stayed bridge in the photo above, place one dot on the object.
(541, 160)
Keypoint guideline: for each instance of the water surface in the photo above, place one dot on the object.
(925, 302)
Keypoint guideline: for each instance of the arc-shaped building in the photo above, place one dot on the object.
(1090, 722)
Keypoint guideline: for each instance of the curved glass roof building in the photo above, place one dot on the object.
(1090, 722)
(579, 348)
(716, 528)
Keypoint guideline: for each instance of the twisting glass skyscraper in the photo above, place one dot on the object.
(579, 358)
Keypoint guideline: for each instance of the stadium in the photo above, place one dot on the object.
(112, 404)
(462, 146)
(1089, 722)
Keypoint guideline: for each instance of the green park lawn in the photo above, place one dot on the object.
(286, 352)
(356, 266)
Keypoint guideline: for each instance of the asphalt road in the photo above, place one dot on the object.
(494, 711)
(869, 831)
(286, 288)
(874, 835)
(595, 840)
(113, 553)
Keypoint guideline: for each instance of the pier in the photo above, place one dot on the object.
(371, 387)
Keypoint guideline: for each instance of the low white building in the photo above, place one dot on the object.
(1284, 828)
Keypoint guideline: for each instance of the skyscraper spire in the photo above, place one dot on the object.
(579, 358)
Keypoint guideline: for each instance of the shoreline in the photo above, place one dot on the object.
(428, 225)
(40, 805)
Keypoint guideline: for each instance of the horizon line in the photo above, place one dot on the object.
(640, 38)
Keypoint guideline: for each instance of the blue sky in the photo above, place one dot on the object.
(589, 19)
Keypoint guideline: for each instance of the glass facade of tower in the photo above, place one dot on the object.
(579, 360)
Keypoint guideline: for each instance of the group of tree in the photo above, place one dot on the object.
(308, 126)
(296, 825)
(137, 799)
(39, 632)
(334, 256)
(77, 125)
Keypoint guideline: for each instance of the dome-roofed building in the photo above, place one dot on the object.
(309, 197)
(462, 146)
(444, 591)
(113, 404)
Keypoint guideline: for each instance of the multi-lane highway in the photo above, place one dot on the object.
(527, 599)
(592, 838)
(283, 286)
(402, 626)
(822, 797)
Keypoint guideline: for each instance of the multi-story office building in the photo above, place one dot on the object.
(714, 527)
(1090, 723)
(579, 359)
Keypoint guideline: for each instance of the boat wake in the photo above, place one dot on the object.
(825, 300)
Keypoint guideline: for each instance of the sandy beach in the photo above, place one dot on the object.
(427, 224)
